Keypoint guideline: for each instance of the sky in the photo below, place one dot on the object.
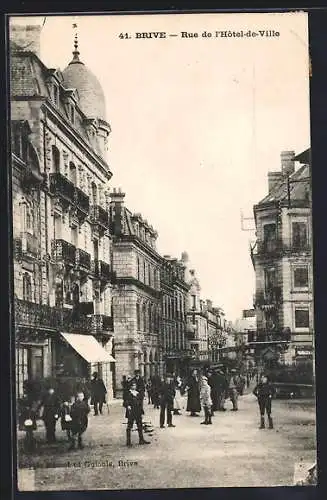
(196, 123)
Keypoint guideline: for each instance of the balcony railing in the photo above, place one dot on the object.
(29, 314)
(82, 201)
(99, 216)
(101, 322)
(102, 269)
(83, 259)
(277, 247)
(270, 297)
(62, 250)
(63, 187)
(269, 246)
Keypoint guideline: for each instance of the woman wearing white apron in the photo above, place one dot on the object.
(178, 400)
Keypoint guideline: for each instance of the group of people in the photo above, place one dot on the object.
(72, 413)
(207, 392)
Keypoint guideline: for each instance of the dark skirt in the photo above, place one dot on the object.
(193, 401)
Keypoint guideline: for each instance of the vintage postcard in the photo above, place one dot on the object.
(162, 251)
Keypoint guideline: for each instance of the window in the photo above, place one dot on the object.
(27, 287)
(193, 301)
(94, 194)
(56, 159)
(74, 236)
(55, 94)
(138, 316)
(17, 143)
(72, 114)
(72, 173)
(299, 235)
(301, 318)
(144, 272)
(149, 275)
(269, 236)
(301, 277)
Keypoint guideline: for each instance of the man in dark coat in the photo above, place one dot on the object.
(167, 395)
(134, 411)
(193, 394)
(98, 393)
(221, 389)
(51, 409)
(264, 391)
(213, 382)
(79, 415)
(140, 384)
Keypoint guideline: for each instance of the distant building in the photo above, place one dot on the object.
(282, 259)
(174, 290)
(136, 296)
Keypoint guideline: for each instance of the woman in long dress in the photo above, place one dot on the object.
(178, 400)
(193, 394)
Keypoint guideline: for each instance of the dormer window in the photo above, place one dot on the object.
(72, 113)
(55, 94)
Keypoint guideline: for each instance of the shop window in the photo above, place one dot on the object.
(301, 318)
(299, 235)
(301, 277)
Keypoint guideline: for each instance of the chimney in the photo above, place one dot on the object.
(117, 196)
(274, 178)
(26, 38)
(287, 161)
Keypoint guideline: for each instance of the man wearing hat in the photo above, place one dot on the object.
(232, 390)
(140, 385)
(98, 393)
(222, 386)
(167, 395)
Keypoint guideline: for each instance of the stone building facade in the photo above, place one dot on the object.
(62, 245)
(136, 296)
(282, 259)
(174, 296)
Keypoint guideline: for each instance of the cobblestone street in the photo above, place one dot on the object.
(231, 452)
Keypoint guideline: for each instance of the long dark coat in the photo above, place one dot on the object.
(193, 395)
(79, 413)
(98, 391)
(136, 406)
(51, 407)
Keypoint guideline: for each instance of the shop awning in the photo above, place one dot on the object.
(89, 348)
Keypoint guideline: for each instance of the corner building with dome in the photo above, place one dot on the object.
(63, 322)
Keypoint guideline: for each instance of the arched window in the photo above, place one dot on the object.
(72, 173)
(56, 159)
(27, 287)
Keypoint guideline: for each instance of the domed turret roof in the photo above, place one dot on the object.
(91, 97)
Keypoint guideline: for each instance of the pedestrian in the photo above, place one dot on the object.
(50, 413)
(134, 413)
(66, 419)
(193, 394)
(156, 383)
(167, 395)
(178, 400)
(264, 391)
(79, 415)
(232, 390)
(149, 390)
(213, 381)
(98, 393)
(206, 401)
(140, 384)
(222, 386)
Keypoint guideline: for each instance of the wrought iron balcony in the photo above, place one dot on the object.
(102, 270)
(62, 187)
(99, 216)
(272, 297)
(83, 259)
(82, 201)
(30, 314)
(62, 250)
(269, 247)
(101, 322)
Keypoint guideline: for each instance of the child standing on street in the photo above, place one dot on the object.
(206, 402)
(79, 414)
(264, 391)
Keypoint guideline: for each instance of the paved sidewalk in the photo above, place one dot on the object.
(231, 452)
